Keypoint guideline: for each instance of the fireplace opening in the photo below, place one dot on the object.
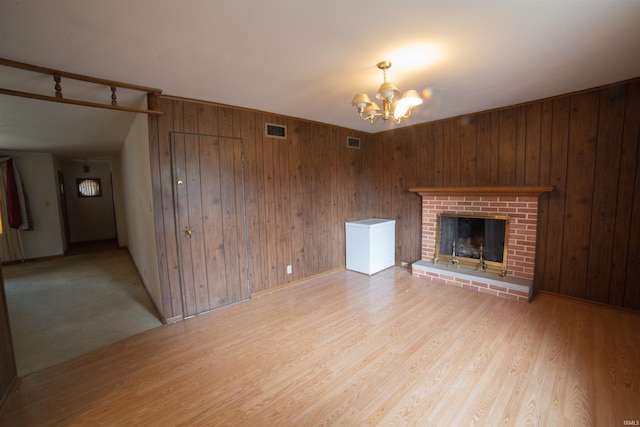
(473, 242)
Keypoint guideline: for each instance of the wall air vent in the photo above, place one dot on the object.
(353, 142)
(275, 131)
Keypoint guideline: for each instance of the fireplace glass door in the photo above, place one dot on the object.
(473, 242)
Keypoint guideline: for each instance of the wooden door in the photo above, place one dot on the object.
(208, 188)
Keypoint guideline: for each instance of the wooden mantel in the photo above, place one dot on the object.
(529, 191)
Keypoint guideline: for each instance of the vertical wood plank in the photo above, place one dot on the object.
(554, 256)
(544, 212)
(213, 230)
(188, 287)
(520, 143)
(531, 150)
(579, 200)
(438, 155)
(260, 280)
(452, 153)
(483, 144)
(468, 152)
(208, 119)
(8, 371)
(225, 121)
(155, 148)
(494, 150)
(195, 261)
(605, 192)
(507, 147)
(621, 254)
(270, 196)
(190, 117)
(632, 286)
(425, 159)
(296, 207)
(169, 121)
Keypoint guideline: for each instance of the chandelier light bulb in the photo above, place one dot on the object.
(397, 109)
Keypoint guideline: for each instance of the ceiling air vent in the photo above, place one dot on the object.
(353, 142)
(275, 131)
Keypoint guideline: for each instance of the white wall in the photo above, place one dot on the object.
(40, 179)
(90, 218)
(137, 191)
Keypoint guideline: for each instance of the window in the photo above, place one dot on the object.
(89, 187)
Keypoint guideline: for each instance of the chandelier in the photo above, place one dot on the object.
(391, 109)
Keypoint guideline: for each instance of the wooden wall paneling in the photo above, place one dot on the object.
(270, 195)
(622, 253)
(281, 175)
(190, 117)
(259, 244)
(408, 242)
(190, 298)
(579, 196)
(213, 222)
(195, 261)
(531, 152)
(208, 119)
(322, 215)
(521, 145)
(632, 288)
(483, 147)
(383, 173)
(8, 371)
(225, 121)
(452, 152)
(395, 162)
(247, 120)
(494, 149)
(605, 192)
(296, 199)
(337, 138)
(558, 178)
(237, 123)
(440, 168)
(468, 152)
(507, 147)
(232, 203)
(311, 200)
(166, 310)
(424, 157)
(168, 246)
(545, 122)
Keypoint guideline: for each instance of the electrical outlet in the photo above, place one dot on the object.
(289, 269)
(404, 264)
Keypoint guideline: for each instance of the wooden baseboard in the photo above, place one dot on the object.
(42, 258)
(296, 282)
(586, 301)
(7, 394)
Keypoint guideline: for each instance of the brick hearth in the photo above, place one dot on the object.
(520, 204)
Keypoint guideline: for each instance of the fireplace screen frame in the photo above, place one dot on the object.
(499, 268)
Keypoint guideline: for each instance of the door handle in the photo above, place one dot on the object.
(188, 231)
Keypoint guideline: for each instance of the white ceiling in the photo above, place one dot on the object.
(306, 58)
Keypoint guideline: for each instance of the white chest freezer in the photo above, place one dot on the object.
(371, 245)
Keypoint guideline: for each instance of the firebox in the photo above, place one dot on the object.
(476, 242)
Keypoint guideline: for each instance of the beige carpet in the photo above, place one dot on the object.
(68, 306)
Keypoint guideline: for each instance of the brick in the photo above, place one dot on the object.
(470, 287)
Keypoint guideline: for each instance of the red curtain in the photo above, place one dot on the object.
(13, 203)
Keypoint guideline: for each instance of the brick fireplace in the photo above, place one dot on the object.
(520, 204)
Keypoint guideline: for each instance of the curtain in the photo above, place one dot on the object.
(10, 239)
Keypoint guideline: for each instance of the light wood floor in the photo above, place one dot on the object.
(348, 349)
